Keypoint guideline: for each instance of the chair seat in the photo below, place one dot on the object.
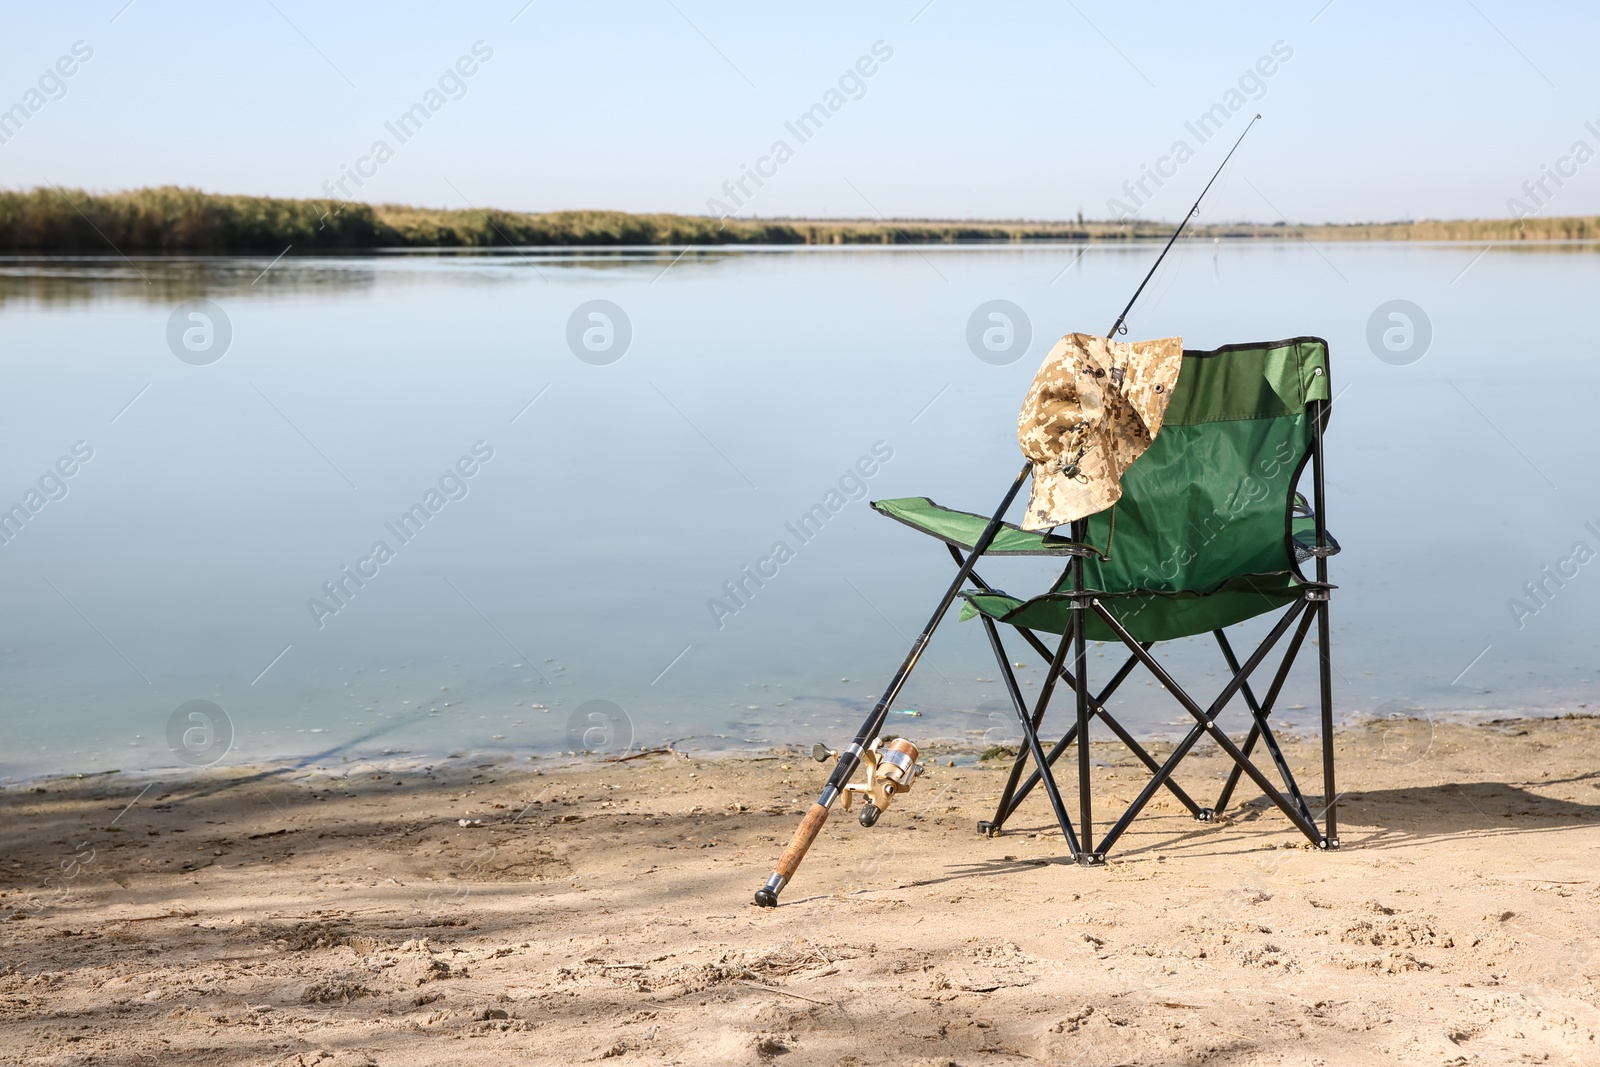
(1148, 616)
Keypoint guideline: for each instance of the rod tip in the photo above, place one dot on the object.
(766, 898)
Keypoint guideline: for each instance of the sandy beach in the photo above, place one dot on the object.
(546, 911)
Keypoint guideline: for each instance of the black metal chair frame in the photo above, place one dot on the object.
(1312, 607)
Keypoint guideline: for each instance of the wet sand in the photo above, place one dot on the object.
(591, 911)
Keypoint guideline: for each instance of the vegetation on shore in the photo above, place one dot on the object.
(170, 219)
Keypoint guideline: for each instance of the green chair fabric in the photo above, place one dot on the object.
(962, 529)
(1209, 531)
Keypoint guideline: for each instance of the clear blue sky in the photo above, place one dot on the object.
(1441, 108)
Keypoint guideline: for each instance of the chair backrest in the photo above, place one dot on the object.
(1211, 499)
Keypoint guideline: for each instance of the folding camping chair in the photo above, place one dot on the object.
(1210, 531)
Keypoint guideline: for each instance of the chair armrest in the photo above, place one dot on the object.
(963, 528)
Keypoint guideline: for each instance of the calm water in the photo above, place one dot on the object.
(576, 561)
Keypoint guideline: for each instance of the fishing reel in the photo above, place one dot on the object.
(891, 768)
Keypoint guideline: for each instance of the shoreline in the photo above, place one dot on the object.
(334, 764)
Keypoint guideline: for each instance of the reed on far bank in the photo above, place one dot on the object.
(171, 219)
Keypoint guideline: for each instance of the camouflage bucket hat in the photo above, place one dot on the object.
(1094, 407)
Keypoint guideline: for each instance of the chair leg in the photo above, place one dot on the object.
(1205, 724)
(1259, 727)
(1012, 797)
(1273, 690)
(1008, 799)
(1290, 785)
(1149, 761)
(1098, 706)
(1080, 688)
(1007, 804)
(1249, 701)
(1030, 735)
(1329, 794)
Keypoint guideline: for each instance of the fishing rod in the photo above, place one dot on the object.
(1118, 327)
(892, 769)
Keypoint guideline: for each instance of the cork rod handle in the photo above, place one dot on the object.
(804, 834)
